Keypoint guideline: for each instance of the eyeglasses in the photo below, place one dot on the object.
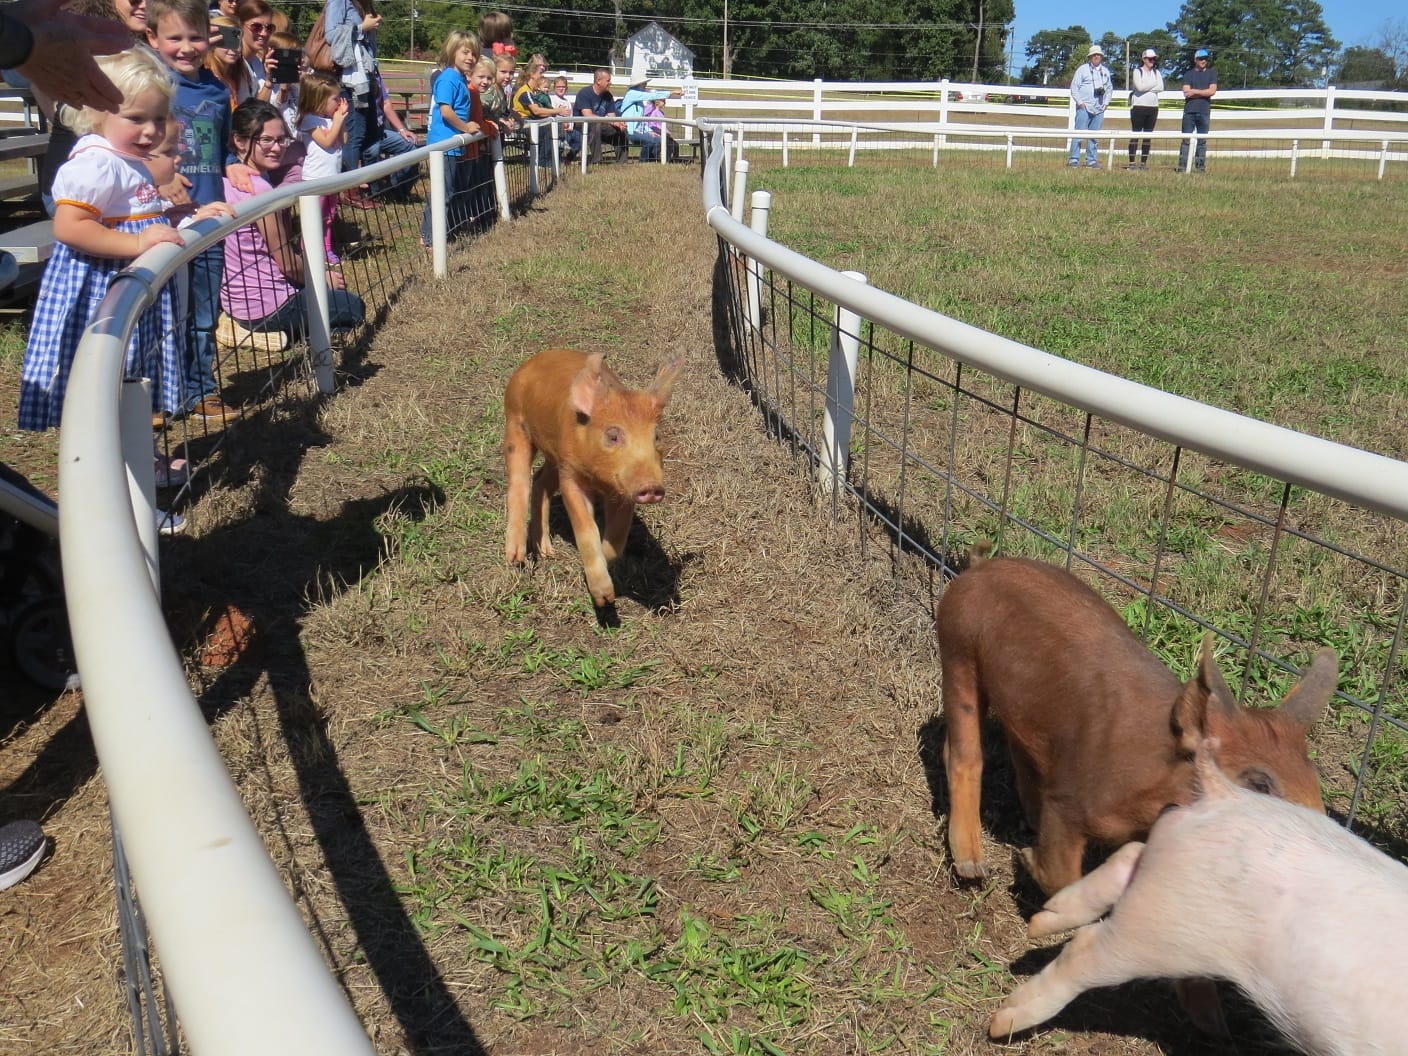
(258, 29)
(274, 141)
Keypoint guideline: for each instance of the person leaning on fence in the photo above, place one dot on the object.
(596, 100)
(455, 109)
(531, 100)
(179, 32)
(1091, 88)
(1145, 85)
(1199, 86)
(492, 96)
(265, 281)
(643, 132)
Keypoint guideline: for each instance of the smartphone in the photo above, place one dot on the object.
(284, 67)
(229, 37)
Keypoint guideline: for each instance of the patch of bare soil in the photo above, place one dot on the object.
(395, 664)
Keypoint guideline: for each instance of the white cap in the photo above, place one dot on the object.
(1150, 53)
(1095, 49)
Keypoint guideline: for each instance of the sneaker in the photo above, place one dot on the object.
(229, 335)
(22, 847)
(1073, 164)
(170, 523)
(332, 258)
(214, 409)
(171, 472)
(1131, 167)
(1143, 166)
(1094, 165)
(160, 420)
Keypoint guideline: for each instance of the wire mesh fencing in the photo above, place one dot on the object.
(925, 455)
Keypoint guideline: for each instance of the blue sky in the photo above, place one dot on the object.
(1350, 21)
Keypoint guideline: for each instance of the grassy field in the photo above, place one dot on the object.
(717, 825)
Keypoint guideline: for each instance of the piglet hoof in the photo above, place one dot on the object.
(516, 554)
(1004, 1024)
(971, 870)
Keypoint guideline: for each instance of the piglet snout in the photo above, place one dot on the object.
(651, 493)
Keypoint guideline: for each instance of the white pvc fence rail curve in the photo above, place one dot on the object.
(241, 968)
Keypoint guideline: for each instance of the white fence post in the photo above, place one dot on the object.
(726, 169)
(501, 180)
(851, 161)
(1295, 156)
(784, 148)
(740, 189)
(533, 189)
(315, 281)
(439, 217)
(1383, 157)
(816, 110)
(758, 221)
(1009, 151)
(943, 117)
(841, 367)
(1329, 119)
(556, 128)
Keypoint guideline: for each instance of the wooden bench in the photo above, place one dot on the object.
(30, 244)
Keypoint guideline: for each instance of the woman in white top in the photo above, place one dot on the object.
(1145, 85)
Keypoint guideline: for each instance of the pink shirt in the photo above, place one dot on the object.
(253, 286)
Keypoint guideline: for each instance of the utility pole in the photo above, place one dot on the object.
(978, 42)
(726, 57)
(1126, 64)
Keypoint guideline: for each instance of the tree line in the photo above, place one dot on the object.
(1255, 43)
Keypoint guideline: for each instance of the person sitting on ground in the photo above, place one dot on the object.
(393, 138)
(532, 101)
(596, 100)
(641, 132)
(265, 281)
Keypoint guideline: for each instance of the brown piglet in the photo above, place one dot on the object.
(1101, 733)
(597, 438)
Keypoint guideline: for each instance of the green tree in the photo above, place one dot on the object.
(1360, 65)
(1257, 43)
(1054, 54)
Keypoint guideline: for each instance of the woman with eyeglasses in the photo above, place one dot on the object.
(256, 24)
(264, 287)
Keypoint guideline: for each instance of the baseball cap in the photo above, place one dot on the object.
(1150, 53)
(1201, 53)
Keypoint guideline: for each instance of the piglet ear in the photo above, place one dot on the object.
(664, 383)
(1202, 701)
(1308, 697)
(588, 387)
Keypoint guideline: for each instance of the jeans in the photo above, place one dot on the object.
(463, 196)
(1087, 120)
(345, 310)
(388, 146)
(648, 142)
(361, 129)
(1199, 123)
(206, 271)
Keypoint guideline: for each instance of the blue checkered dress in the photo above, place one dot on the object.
(74, 284)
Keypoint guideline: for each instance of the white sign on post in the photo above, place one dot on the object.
(690, 94)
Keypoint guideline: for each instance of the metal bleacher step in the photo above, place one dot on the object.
(30, 244)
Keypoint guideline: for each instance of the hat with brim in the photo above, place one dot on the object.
(640, 83)
(1150, 53)
(1095, 49)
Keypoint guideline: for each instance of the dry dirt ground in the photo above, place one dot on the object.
(760, 672)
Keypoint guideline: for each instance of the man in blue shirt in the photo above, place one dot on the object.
(1199, 86)
(596, 100)
(1091, 90)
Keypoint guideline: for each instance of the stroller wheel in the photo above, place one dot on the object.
(40, 644)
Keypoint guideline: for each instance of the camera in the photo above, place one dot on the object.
(229, 37)
(1099, 93)
(284, 68)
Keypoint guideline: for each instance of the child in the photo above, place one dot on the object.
(504, 66)
(571, 136)
(322, 127)
(455, 108)
(496, 35)
(485, 80)
(108, 211)
(179, 32)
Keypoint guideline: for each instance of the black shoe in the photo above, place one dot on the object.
(22, 847)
